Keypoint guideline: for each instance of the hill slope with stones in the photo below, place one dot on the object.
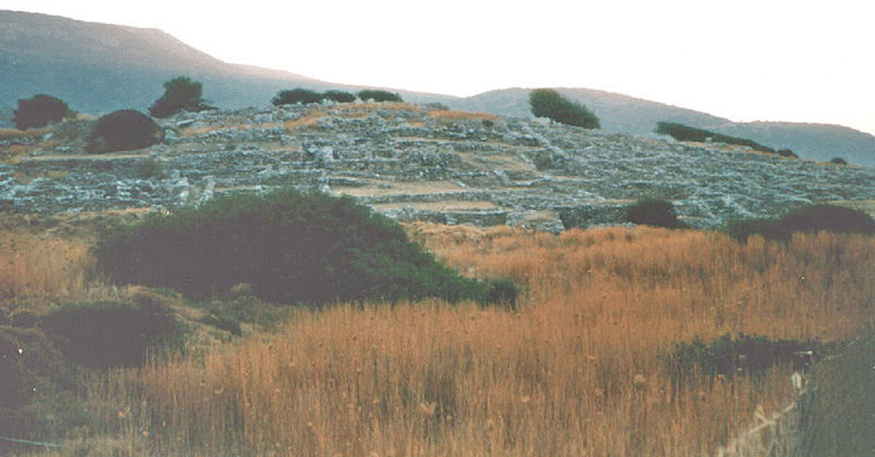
(414, 162)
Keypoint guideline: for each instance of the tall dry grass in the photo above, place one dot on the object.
(42, 266)
(579, 370)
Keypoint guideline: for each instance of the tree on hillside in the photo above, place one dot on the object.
(39, 111)
(180, 93)
(379, 96)
(552, 105)
(296, 96)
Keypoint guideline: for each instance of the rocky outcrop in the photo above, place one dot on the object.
(416, 163)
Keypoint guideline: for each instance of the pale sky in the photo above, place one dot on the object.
(746, 60)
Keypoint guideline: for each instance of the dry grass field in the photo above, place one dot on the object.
(579, 369)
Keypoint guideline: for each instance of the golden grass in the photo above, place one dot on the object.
(579, 370)
(450, 116)
(13, 134)
(42, 266)
(307, 120)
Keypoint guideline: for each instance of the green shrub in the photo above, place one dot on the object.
(729, 355)
(39, 111)
(124, 130)
(552, 105)
(838, 161)
(813, 218)
(654, 212)
(180, 93)
(684, 133)
(296, 96)
(379, 96)
(770, 229)
(787, 153)
(831, 218)
(293, 247)
(339, 96)
(112, 334)
(502, 293)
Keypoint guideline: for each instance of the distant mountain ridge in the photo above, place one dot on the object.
(99, 68)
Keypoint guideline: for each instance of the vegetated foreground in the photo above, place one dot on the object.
(583, 368)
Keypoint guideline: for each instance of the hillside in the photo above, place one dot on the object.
(622, 113)
(413, 162)
(99, 68)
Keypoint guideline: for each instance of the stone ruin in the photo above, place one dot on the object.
(414, 162)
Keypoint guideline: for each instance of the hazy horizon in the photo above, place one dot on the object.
(766, 61)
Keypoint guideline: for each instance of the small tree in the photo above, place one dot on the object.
(339, 96)
(39, 111)
(180, 93)
(124, 130)
(379, 96)
(295, 96)
(552, 105)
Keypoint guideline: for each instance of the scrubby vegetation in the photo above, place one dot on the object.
(737, 355)
(113, 334)
(297, 96)
(552, 105)
(813, 218)
(654, 212)
(684, 133)
(307, 97)
(572, 373)
(378, 96)
(39, 111)
(293, 247)
(124, 130)
(180, 93)
(339, 96)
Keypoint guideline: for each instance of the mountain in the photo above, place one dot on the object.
(98, 68)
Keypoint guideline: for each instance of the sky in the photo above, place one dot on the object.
(746, 60)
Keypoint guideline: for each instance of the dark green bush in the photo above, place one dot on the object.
(552, 105)
(112, 334)
(124, 130)
(685, 133)
(830, 218)
(296, 96)
(838, 161)
(379, 96)
(293, 247)
(39, 111)
(813, 218)
(787, 153)
(729, 355)
(654, 212)
(339, 96)
(770, 229)
(180, 94)
(502, 293)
